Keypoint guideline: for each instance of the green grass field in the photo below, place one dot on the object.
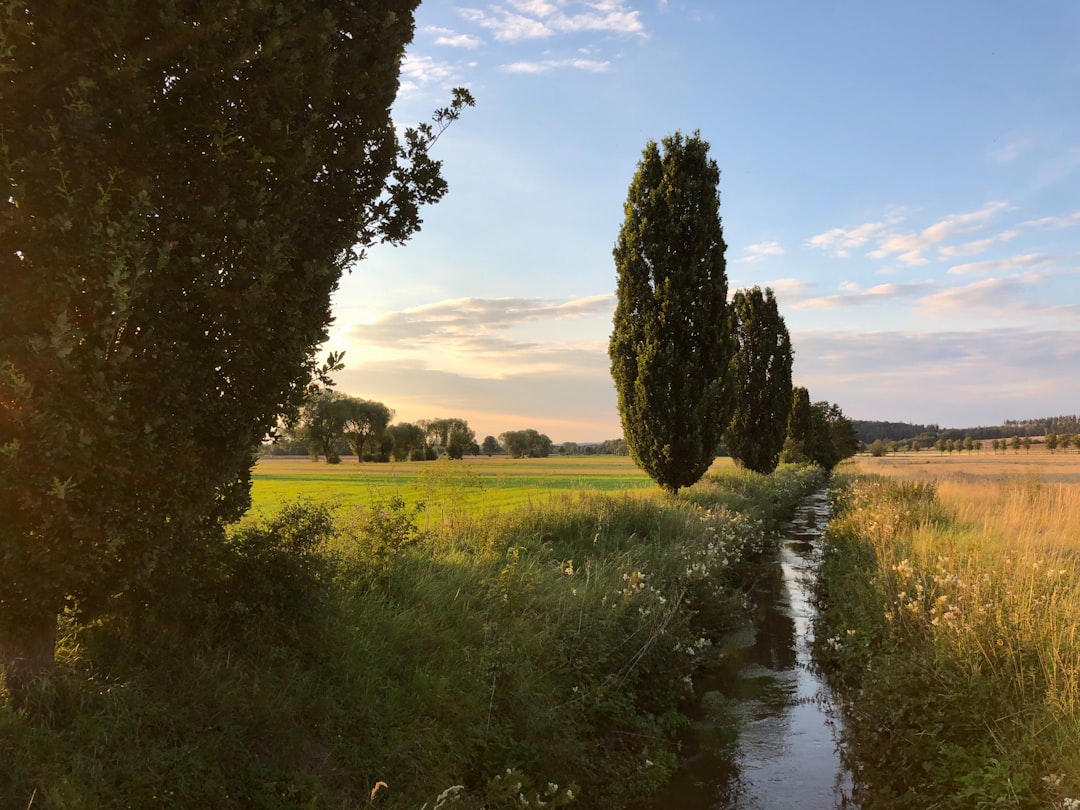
(472, 486)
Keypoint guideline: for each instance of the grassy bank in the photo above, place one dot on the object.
(952, 632)
(535, 656)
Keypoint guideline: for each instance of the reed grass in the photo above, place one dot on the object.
(956, 642)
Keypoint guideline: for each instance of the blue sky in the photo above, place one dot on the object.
(906, 176)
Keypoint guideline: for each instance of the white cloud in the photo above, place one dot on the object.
(547, 65)
(1064, 221)
(537, 19)
(417, 71)
(855, 296)
(909, 247)
(1027, 260)
(977, 246)
(951, 378)
(1011, 146)
(475, 324)
(841, 241)
(451, 38)
(757, 252)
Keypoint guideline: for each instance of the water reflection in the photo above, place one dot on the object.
(766, 735)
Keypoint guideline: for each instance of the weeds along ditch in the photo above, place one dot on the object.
(951, 632)
(355, 656)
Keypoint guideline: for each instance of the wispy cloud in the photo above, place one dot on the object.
(841, 241)
(997, 298)
(977, 246)
(474, 324)
(538, 19)
(451, 38)
(909, 247)
(547, 65)
(757, 252)
(418, 71)
(854, 295)
(1024, 261)
(1011, 146)
(965, 378)
(1063, 221)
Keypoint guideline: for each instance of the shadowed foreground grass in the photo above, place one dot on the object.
(533, 658)
(952, 630)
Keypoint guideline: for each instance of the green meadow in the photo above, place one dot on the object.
(473, 486)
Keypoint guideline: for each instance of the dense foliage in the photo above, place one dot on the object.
(671, 345)
(340, 649)
(184, 183)
(761, 375)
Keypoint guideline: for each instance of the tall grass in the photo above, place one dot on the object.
(531, 659)
(952, 629)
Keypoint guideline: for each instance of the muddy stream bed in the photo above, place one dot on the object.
(765, 736)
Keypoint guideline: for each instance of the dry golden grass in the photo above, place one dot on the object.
(996, 583)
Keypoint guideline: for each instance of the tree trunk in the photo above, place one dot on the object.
(29, 657)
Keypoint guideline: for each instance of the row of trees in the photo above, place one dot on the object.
(330, 420)
(691, 370)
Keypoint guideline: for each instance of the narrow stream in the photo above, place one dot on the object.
(766, 737)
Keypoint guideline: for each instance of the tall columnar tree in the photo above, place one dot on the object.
(761, 374)
(183, 185)
(797, 442)
(671, 345)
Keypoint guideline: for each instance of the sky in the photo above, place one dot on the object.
(905, 176)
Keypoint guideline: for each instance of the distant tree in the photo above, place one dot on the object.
(671, 346)
(322, 424)
(1051, 442)
(490, 446)
(968, 444)
(526, 443)
(761, 377)
(454, 436)
(1015, 442)
(877, 448)
(1026, 443)
(1066, 442)
(614, 447)
(940, 445)
(978, 445)
(569, 449)
(832, 436)
(364, 421)
(408, 438)
(799, 427)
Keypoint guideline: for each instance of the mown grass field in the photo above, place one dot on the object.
(953, 627)
(473, 486)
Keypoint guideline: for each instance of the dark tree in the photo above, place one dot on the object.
(363, 425)
(761, 375)
(408, 441)
(832, 436)
(454, 436)
(322, 424)
(797, 442)
(526, 443)
(490, 446)
(184, 184)
(671, 345)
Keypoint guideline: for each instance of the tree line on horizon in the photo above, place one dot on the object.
(332, 424)
(869, 431)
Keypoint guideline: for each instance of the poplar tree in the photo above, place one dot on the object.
(761, 372)
(671, 345)
(797, 442)
(183, 185)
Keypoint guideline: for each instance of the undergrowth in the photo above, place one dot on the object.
(347, 658)
(954, 646)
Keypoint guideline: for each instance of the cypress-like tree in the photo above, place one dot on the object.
(761, 371)
(798, 428)
(671, 344)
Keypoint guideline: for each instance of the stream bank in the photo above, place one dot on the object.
(765, 733)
